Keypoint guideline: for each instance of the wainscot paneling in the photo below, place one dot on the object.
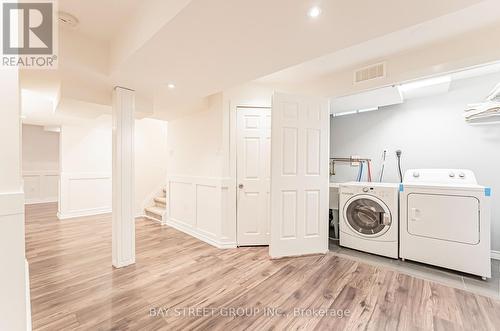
(83, 194)
(195, 206)
(41, 186)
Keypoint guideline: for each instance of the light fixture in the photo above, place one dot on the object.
(314, 12)
(171, 86)
(424, 83)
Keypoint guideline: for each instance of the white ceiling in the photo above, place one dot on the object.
(100, 19)
(207, 46)
(440, 28)
(213, 45)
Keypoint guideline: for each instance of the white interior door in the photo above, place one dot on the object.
(299, 175)
(253, 173)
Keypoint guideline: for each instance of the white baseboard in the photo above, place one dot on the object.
(39, 201)
(154, 219)
(83, 213)
(199, 235)
(123, 264)
(495, 255)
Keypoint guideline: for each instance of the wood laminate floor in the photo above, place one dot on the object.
(74, 286)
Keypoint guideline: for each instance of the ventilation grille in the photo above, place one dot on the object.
(368, 73)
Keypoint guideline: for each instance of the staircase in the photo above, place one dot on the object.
(157, 212)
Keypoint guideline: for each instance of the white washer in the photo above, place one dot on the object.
(445, 220)
(369, 217)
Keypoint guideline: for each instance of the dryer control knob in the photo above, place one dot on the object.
(461, 175)
(452, 175)
(366, 189)
(416, 174)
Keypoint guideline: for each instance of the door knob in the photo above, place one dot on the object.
(240, 186)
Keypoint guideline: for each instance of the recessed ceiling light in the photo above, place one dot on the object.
(171, 86)
(314, 12)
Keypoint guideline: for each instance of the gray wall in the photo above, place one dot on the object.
(432, 133)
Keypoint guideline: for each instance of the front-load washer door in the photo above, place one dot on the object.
(367, 216)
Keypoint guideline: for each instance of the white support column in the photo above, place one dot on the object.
(123, 178)
(14, 285)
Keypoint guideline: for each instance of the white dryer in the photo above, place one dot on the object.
(369, 217)
(445, 220)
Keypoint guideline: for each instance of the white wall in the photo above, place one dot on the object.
(432, 133)
(86, 161)
(197, 191)
(86, 165)
(202, 166)
(14, 296)
(150, 161)
(195, 142)
(40, 150)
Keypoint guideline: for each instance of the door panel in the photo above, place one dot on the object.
(253, 174)
(445, 217)
(299, 175)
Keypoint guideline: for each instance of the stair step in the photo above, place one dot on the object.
(155, 210)
(162, 200)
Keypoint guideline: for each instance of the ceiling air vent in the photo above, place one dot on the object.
(368, 73)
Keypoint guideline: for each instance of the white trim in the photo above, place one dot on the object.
(495, 255)
(154, 220)
(83, 213)
(41, 172)
(199, 235)
(29, 325)
(39, 201)
(121, 264)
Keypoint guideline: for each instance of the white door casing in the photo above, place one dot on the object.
(253, 174)
(300, 148)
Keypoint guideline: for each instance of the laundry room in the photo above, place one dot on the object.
(438, 130)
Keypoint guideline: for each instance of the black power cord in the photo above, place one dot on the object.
(398, 155)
